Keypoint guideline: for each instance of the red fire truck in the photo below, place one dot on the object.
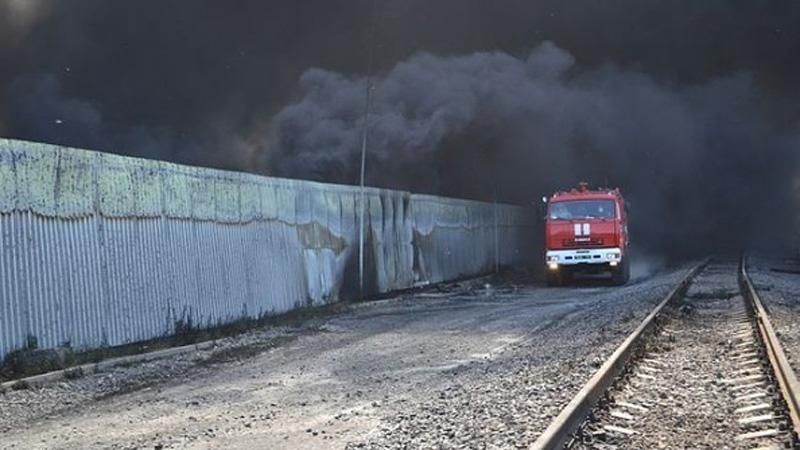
(586, 231)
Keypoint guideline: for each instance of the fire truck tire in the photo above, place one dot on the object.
(567, 277)
(553, 279)
(623, 273)
(560, 278)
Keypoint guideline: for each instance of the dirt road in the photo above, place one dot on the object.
(478, 364)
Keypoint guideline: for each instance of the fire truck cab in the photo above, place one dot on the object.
(586, 231)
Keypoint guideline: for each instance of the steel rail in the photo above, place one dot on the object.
(784, 374)
(575, 413)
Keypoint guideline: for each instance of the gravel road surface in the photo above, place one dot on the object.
(481, 364)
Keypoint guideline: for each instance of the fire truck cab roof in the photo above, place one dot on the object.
(582, 192)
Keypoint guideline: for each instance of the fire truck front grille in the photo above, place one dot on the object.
(583, 242)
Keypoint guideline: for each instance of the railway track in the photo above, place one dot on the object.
(704, 370)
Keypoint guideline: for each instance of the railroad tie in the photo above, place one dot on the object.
(748, 386)
(758, 434)
(757, 419)
(747, 370)
(756, 377)
(749, 362)
(654, 362)
(615, 429)
(752, 408)
(631, 406)
(622, 415)
(755, 395)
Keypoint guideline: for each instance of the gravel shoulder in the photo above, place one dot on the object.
(472, 365)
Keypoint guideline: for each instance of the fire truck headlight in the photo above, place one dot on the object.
(614, 256)
(553, 266)
(613, 264)
(552, 259)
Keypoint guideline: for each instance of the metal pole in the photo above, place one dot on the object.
(364, 138)
(496, 238)
(362, 197)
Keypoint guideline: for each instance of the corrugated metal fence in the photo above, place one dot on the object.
(99, 249)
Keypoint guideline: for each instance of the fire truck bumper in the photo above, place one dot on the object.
(608, 256)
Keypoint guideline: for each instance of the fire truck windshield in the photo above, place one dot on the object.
(582, 209)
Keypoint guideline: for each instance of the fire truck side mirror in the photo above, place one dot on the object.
(542, 209)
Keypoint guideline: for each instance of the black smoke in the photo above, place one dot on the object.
(699, 160)
(690, 107)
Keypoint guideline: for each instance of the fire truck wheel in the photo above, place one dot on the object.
(554, 279)
(561, 278)
(567, 276)
(623, 273)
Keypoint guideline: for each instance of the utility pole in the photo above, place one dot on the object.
(496, 236)
(362, 196)
(364, 139)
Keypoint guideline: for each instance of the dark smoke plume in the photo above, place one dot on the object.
(691, 107)
(700, 161)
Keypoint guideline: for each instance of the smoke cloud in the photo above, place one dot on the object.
(21, 15)
(700, 162)
(692, 108)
